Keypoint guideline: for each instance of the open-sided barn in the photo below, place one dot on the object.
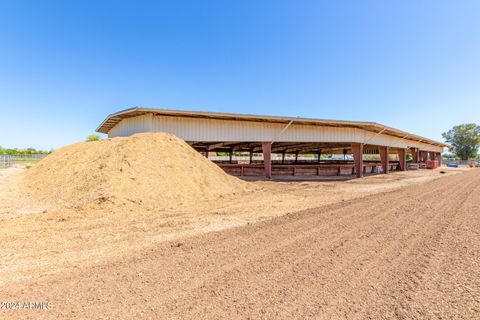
(227, 132)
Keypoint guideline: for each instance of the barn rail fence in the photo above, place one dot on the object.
(8, 160)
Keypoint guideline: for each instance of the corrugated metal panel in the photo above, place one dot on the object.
(133, 125)
(197, 129)
(112, 120)
(224, 130)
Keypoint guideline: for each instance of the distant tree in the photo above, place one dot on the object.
(448, 155)
(22, 151)
(464, 139)
(93, 137)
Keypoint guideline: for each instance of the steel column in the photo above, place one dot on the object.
(402, 156)
(267, 158)
(384, 158)
(414, 154)
(357, 151)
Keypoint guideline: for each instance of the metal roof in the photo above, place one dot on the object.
(113, 119)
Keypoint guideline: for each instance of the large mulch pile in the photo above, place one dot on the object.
(152, 170)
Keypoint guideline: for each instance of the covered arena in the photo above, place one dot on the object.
(272, 146)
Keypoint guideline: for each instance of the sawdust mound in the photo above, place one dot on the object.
(156, 170)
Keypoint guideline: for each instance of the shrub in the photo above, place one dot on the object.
(93, 137)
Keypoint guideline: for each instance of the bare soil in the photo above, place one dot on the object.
(38, 239)
(410, 253)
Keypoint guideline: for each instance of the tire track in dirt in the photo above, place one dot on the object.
(281, 248)
(416, 257)
(445, 270)
(380, 257)
(340, 266)
(258, 267)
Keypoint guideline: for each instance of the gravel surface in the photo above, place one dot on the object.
(412, 253)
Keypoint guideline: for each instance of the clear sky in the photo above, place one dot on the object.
(66, 65)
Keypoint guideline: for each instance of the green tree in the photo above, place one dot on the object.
(93, 137)
(464, 139)
(22, 151)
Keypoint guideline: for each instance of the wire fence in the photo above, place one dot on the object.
(465, 163)
(8, 160)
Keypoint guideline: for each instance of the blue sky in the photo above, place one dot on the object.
(65, 65)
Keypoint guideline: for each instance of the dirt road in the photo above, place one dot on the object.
(413, 253)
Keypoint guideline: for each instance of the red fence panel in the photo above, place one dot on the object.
(432, 164)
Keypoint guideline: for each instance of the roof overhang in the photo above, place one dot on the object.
(115, 118)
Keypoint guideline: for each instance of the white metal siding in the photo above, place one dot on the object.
(195, 129)
(133, 125)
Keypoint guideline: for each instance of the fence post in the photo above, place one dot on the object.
(7, 160)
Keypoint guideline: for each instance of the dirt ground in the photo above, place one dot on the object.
(409, 253)
(48, 241)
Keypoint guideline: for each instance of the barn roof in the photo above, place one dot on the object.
(113, 119)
